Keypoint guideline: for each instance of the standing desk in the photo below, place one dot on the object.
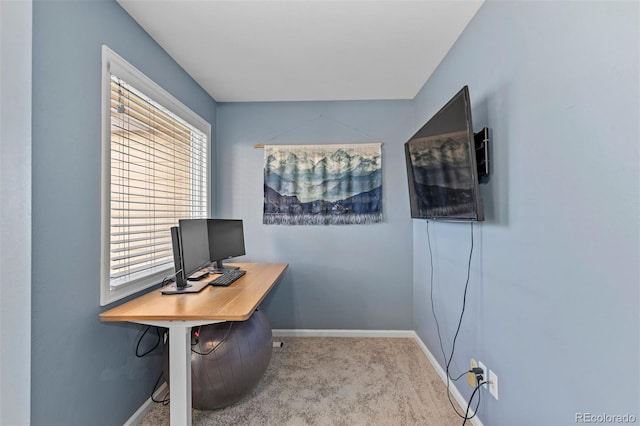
(180, 312)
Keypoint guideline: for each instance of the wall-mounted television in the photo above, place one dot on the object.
(441, 165)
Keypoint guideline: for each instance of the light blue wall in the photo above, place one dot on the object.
(339, 277)
(83, 371)
(553, 303)
(15, 211)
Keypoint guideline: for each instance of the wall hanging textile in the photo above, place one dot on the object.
(322, 184)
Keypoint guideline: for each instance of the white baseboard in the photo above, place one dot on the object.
(344, 333)
(137, 417)
(452, 387)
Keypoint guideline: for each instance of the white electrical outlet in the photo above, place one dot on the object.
(493, 384)
(485, 372)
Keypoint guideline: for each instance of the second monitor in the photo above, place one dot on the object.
(226, 240)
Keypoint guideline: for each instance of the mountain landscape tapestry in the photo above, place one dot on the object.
(322, 184)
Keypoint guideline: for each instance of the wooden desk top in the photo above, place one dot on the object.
(234, 303)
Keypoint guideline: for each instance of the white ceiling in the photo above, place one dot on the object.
(303, 50)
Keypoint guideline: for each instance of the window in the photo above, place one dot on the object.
(155, 170)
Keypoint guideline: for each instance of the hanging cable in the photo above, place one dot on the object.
(216, 346)
(448, 360)
(140, 355)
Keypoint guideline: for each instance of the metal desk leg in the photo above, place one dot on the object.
(179, 367)
(180, 374)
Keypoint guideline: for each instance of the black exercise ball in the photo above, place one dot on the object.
(228, 359)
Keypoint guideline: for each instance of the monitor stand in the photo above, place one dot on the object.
(191, 287)
(218, 268)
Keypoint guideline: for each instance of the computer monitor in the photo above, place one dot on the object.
(194, 244)
(180, 280)
(226, 240)
(196, 250)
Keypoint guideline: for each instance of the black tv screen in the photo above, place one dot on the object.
(441, 165)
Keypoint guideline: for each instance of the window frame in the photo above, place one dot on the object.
(112, 63)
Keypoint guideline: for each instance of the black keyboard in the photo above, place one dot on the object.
(228, 277)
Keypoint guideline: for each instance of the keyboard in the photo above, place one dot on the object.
(227, 278)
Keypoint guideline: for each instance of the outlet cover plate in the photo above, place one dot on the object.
(493, 384)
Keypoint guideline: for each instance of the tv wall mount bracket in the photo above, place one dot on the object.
(482, 154)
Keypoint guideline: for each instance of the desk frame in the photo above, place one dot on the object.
(179, 367)
(179, 314)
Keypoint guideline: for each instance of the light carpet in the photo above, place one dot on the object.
(337, 381)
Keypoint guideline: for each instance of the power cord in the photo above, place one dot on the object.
(433, 308)
(164, 401)
(464, 302)
(478, 372)
(169, 278)
(464, 299)
(140, 355)
(466, 414)
(197, 341)
(165, 281)
(462, 374)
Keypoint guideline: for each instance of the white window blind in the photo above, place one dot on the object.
(158, 173)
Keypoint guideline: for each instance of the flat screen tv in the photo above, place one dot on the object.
(441, 165)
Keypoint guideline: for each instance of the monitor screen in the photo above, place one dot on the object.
(194, 242)
(226, 240)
